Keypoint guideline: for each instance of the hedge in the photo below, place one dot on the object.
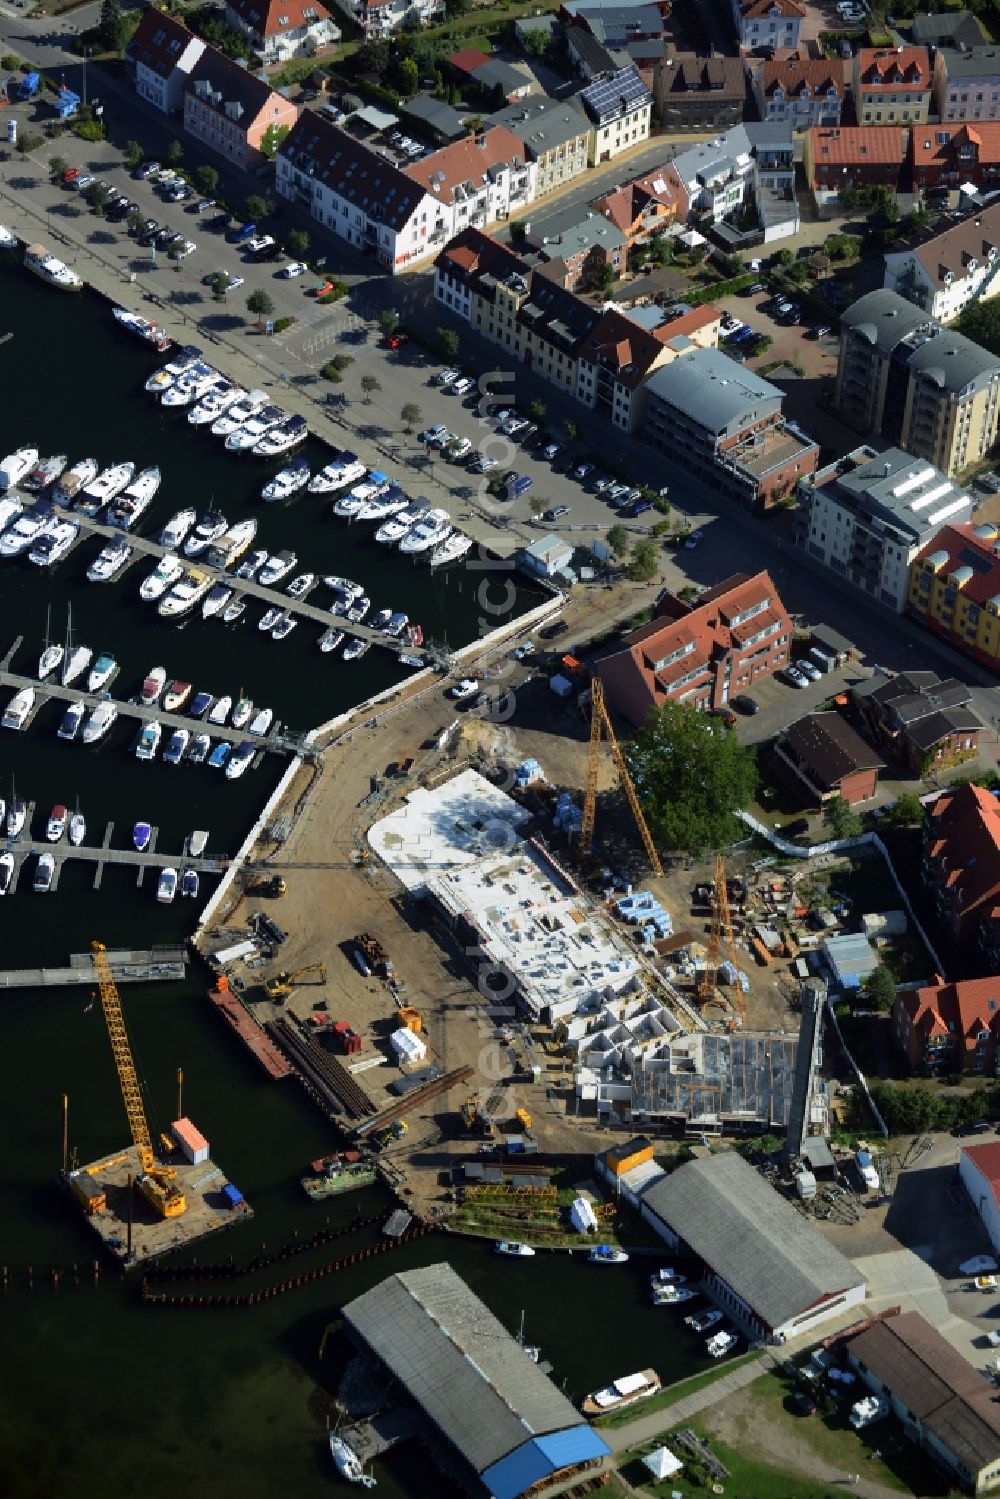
(725, 289)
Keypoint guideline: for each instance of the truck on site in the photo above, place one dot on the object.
(29, 86)
(370, 956)
(380, 1138)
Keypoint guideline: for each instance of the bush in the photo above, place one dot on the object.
(724, 289)
(282, 323)
(28, 143)
(10, 62)
(330, 372)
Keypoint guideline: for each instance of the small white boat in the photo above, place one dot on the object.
(332, 476)
(276, 568)
(514, 1248)
(451, 549)
(177, 528)
(220, 711)
(177, 693)
(234, 609)
(50, 660)
(142, 832)
(189, 882)
(75, 479)
(666, 1276)
(77, 829)
(348, 1464)
(702, 1321)
(239, 413)
(190, 387)
(246, 438)
(356, 648)
(216, 600)
(150, 333)
(395, 625)
(168, 571)
(45, 473)
(99, 722)
(28, 529)
(343, 586)
(621, 1392)
(252, 565)
(211, 526)
(240, 759)
(330, 640)
(176, 745)
(52, 546)
(135, 499)
(288, 482)
(242, 713)
(56, 825)
(166, 886)
(109, 562)
(396, 527)
(721, 1344)
(282, 439)
(356, 499)
(197, 843)
(270, 619)
(42, 263)
(184, 595)
(607, 1254)
(11, 506)
(106, 487)
(6, 872)
(198, 749)
(357, 611)
(231, 545)
(284, 627)
(183, 360)
(44, 871)
(262, 721)
(214, 403)
(672, 1295)
(18, 708)
(17, 816)
(152, 685)
(149, 740)
(389, 502)
(427, 534)
(17, 466)
(71, 721)
(301, 585)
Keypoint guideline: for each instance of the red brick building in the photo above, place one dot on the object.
(961, 864)
(734, 635)
(829, 759)
(948, 155)
(949, 1027)
(839, 156)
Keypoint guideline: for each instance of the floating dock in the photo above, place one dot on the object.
(261, 1047)
(23, 846)
(127, 966)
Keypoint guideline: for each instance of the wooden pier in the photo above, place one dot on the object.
(128, 967)
(23, 846)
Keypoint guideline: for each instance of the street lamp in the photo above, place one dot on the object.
(86, 54)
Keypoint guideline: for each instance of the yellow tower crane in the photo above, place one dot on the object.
(721, 932)
(156, 1182)
(600, 721)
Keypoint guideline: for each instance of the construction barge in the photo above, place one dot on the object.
(238, 1018)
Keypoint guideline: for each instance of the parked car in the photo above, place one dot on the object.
(582, 470)
(467, 687)
(520, 486)
(552, 632)
(70, 175)
(463, 386)
(430, 434)
(481, 464)
(522, 652)
(258, 243)
(803, 1403)
(555, 512)
(796, 677)
(292, 269)
(552, 451)
(181, 249)
(639, 507)
(513, 425)
(244, 234)
(83, 182)
(146, 169)
(809, 669)
(695, 539)
(447, 377)
(459, 448)
(440, 439)
(745, 704)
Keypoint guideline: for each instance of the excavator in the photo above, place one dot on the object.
(281, 985)
(155, 1182)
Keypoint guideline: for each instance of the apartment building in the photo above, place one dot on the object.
(380, 18)
(722, 422)
(698, 93)
(733, 636)
(945, 274)
(619, 107)
(919, 720)
(478, 180)
(578, 244)
(751, 165)
(960, 863)
(555, 136)
(949, 156)
(230, 110)
(767, 23)
(646, 206)
(614, 361)
(954, 589)
(967, 83)
(827, 759)
(927, 388)
(837, 157)
(867, 515)
(160, 58)
(949, 1027)
(806, 91)
(280, 29)
(892, 85)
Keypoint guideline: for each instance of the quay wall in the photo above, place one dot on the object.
(236, 863)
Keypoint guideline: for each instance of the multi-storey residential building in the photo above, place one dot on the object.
(577, 244)
(723, 423)
(478, 180)
(961, 864)
(767, 23)
(892, 85)
(945, 274)
(927, 388)
(468, 270)
(614, 361)
(733, 636)
(806, 91)
(967, 83)
(918, 719)
(949, 1027)
(280, 29)
(588, 57)
(161, 56)
(230, 110)
(632, 34)
(752, 163)
(619, 107)
(380, 18)
(646, 206)
(555, 137)
(949, 156)
(829, 759)
(698, 93)
(955, 590)
(852, 156)
(866, 516)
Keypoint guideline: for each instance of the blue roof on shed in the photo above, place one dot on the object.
(529, 1464)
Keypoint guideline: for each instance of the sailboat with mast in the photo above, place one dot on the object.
(17, 812)
(77, 826)
(52, 655)
(76, 658)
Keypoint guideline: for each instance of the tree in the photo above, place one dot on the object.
(446, 344)
(260, 303)
(518, 231)
(28, 143)
(618, 541)
(785, 257)
(134, 155)
(373, 57)
(840, 820)
(572, 431)
(369, 384)
(408, 76)
(535, 43)
(981, 322)
(98, 194)
(135, 221)
(207, 180)
(220, 285)
(661, 251)
(388, 321)
(536, 505)
(410, 415)
(298, 242)
(456, 8)
(604, 276)
(57, 165)
(645, 562)
(880, 989)
(692, 775)
(112, 28)
(175, 153)
(886, 202)
(537, 411)
(255, 207)
(272, 139)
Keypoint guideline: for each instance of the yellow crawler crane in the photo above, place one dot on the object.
(600, 720)
(156, 1182)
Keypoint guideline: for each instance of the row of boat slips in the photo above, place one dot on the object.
(170, 882)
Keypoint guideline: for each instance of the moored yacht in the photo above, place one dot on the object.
(18, 708)
(11, 506)
(332, 476)
(239, 413)
(282, 439)
(215, 401)
(246, 438)
(234, 609)
(6, 872)
(231, 544)
(211, 526)
(514, 1248)
(270, 618)
(329, 640)
(215, 600)
(166, 886)
(42, 263)
(348, 1464)
(71, 721)
(189, 882)
(107, 486)
(166, 573)
(239, 760)
(177, 527)
(380, 506)
(344, 587)
(176, 745)
(198, 749)
(220, 754)
(184, 595)
(261, 721)
(242, 713)
(142, 832)
(220, 710)
(52, 546)
(429, 532)
(395, 625)
(135, 499)
(150, 333)
(56, 825)
(285, 625)
(396, 527)
(252, 566)
(355, 649)
(300, 586)
(109, 562)
(276, 568)
(152, 685)
(17, 466)
(178, 365)
(101, 672)
(50, 660)
(149, 740)
(44, 871)
(358, 609)
(77, 829)
(28, 529)
(201, 704)
(288, 482)
(191, 386)
(74, 479)
(100, 721)
(451, 549)
(45, 473)
(355, 499)
(176, 695)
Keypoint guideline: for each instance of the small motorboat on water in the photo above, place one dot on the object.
(214, 403)
(282, 438)
(166, 886)
(262, 721)
(176, 745)
(428, 533)
(150, 333)
(513, 1248)
(275, 568)
(451, 549)
(301, 585)
(246, 438)
(107, 486)
(240, 759)
(6, 872)
(168, 571)
(215, 600)
(270, 619)
(50, 660)
(234, 609)
(198, 749)
(16, 712)
(100, 721)
(109, 562)
(44, 871)
(209, 529)
(337, 473)
(357, 611)
(348, 1464)
(183, 360)
(345, 586)
(220, 712)
(189, 882)
(396, 527)
(607, 1254)
(71, 720)
(239, 413)
(141, 834)
(149, 740)
(252, 565)
(196, 844)
(74, 479)
(16, 467)
(77, 829)
(284, 627)
(288, 482)
(101, 672)
(232, 544)
(45, 473)
(53, 544)
(184, 595)
(135, 499)
(177, 528)
(242, 713)
(191, 386)
(220, 754)
(390, 501)
(56, 825)
(355, 648)
(201, 704)
(176, 695)
(152, 685)
(329, 640)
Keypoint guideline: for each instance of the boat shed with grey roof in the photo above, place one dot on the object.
(508, 1428)
(764, 1264)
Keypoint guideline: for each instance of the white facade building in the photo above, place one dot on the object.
(163, 54)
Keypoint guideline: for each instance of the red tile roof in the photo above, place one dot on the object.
(468, 59)
(961, 1010)
(795, 75)
(688, 323)
(986, 1159)
(158, 42)
(472, 253)
(894, 67)
(857, 145)
(275, 17)
(626, 206)
(617, 344)
(930, 150)
(466, 161)
(966, 549)
(750, 9)
(963, 844)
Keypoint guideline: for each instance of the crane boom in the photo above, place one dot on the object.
(600, 720)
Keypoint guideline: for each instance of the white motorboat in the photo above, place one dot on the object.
(16, 467)
(396, 527)
(289, 481)
(184, 595)
(284, 627)
(99, 722)
(176, 695)
(77, 829)
(50, 660)
(282, 439)
(183, 360)
(212, 525)
(74, 479)
(381, 619)
(301, 585)
(76, 658)
(26, 531)
(220, 710)
(215, 600)
(106, 487)
(348, 1464)
(18, 708)
(109, 562)
(358, 609)
(329, 640)
(198, 749)
(621, 1392)
(176, 745)
(152, 686)
(71, 721)
(276, 568)
(262, 721)
(231, 544)
(451, 549)
(177, 528)
(242, 713)
(44, 871)
(239, 760)
(429, 532)
(270, 618)
(389, 501)
(332, 476)
(191, 386)
(56, 825)
(45, 473)
(52, 546)
(396, 625)
(8, 240)
(514, 1248)
(11, 506)
(42, 263)
(246, 438)
(234, 610)
(189, 882)
(358, 497)
(666, 1276)
(239, 413)
(345, 586)
(168, 571)
(702, 1321)
(356, 648)
(252, 565)
(6, 872)
(166, 886)
(672, 1295)
(214, 403)
(721, 1344)
(135, 499)
(101, 672)
(150, 333)
(149, 740)
(607, 1254)
(17, 815)
(196, 844)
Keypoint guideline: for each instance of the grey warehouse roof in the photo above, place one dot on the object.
(710, 388)
(459, 1363)
(756, 1241)
(438, 115)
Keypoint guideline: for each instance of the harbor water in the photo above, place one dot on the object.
(101, 1393)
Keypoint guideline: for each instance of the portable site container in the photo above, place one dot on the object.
(191, 1141)
(232, 1195)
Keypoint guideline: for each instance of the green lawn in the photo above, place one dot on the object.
(749, 1479)
(673, 1393)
